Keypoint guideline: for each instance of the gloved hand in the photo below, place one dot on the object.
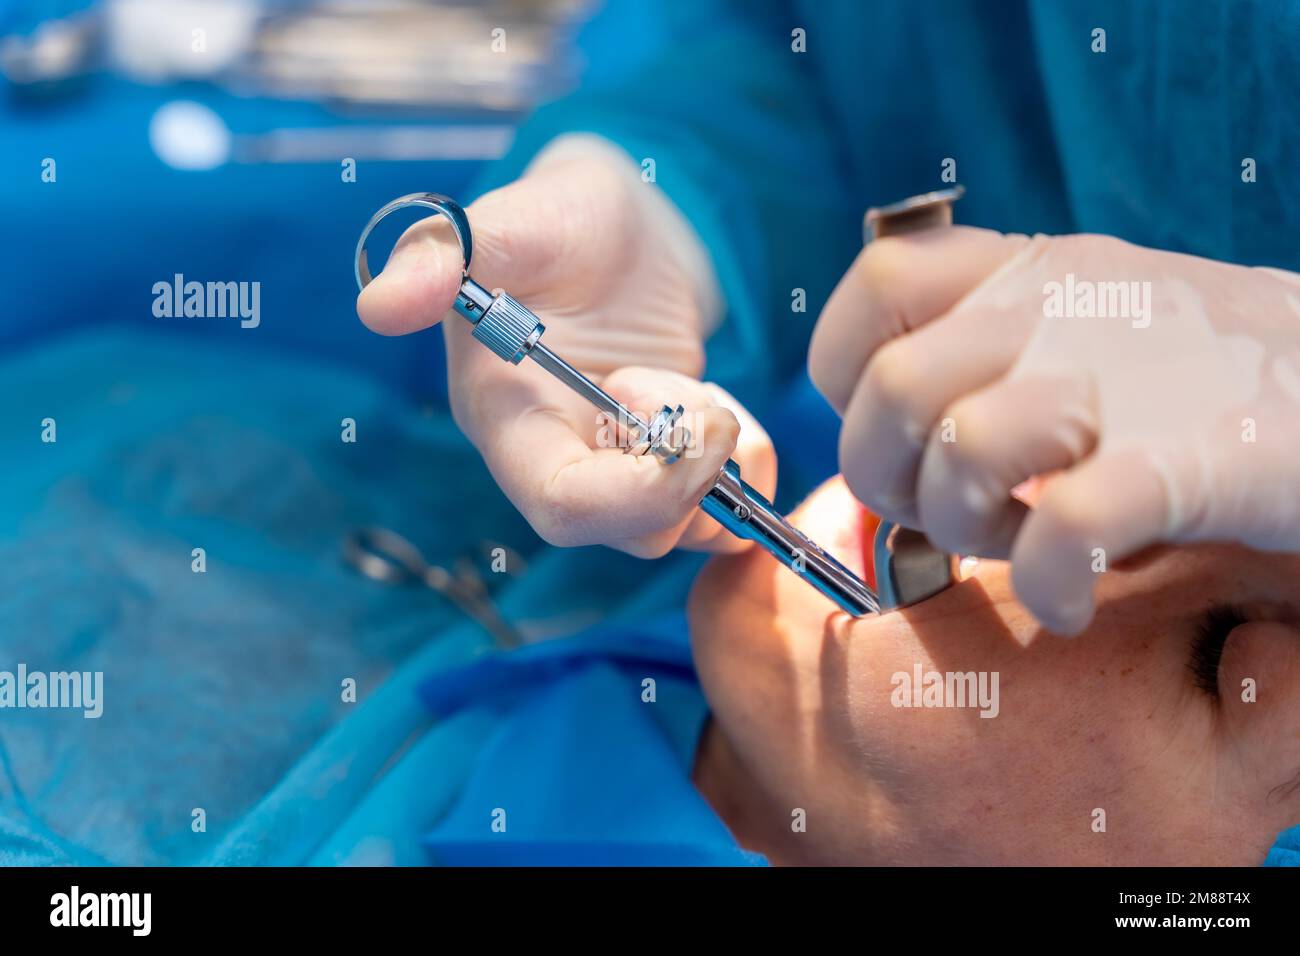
(627, 296)
(1158, 392)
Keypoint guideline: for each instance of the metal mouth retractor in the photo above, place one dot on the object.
(909, 568)
(913, 214)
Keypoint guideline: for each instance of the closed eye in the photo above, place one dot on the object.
(1208, 642)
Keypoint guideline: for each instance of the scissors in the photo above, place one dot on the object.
(908, 568)
(385, 556)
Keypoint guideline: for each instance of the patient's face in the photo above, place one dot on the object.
(1132, 727)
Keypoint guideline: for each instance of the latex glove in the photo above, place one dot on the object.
(627, 296)
(959, 373)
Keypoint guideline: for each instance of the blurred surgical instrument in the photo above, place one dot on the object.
(495, 57)
(389, 558)
(188, 135)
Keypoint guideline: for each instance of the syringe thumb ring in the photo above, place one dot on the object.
(442, 205)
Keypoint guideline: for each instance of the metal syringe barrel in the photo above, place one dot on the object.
(744, 512)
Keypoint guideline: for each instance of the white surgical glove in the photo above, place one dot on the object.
(1159, 392)
(627, 295)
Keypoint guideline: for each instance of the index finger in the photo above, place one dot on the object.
(540, 443)
(896, 285)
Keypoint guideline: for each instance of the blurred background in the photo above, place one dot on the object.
(206, 137)
(140, 139)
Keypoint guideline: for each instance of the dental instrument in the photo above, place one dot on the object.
(907, 567)
(389, 558)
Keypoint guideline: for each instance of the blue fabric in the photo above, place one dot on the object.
(1286, 849)
(774, 155)
(214, 683)
(240, 222)
(590, 762)
(222, 689)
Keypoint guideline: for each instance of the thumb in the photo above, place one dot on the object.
(565, 217)
(514, 238)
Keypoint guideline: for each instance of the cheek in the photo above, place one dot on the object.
(742, 654)
(1072, 725)
(757, 641)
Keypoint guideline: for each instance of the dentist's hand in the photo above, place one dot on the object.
(1159, 392)
(627, 296)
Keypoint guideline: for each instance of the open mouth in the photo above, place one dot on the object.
(842, 525)
(833, 518)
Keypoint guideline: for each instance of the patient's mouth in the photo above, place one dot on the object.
(833, 518)
(846, 528)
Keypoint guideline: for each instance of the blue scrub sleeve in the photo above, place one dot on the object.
(735, 123)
